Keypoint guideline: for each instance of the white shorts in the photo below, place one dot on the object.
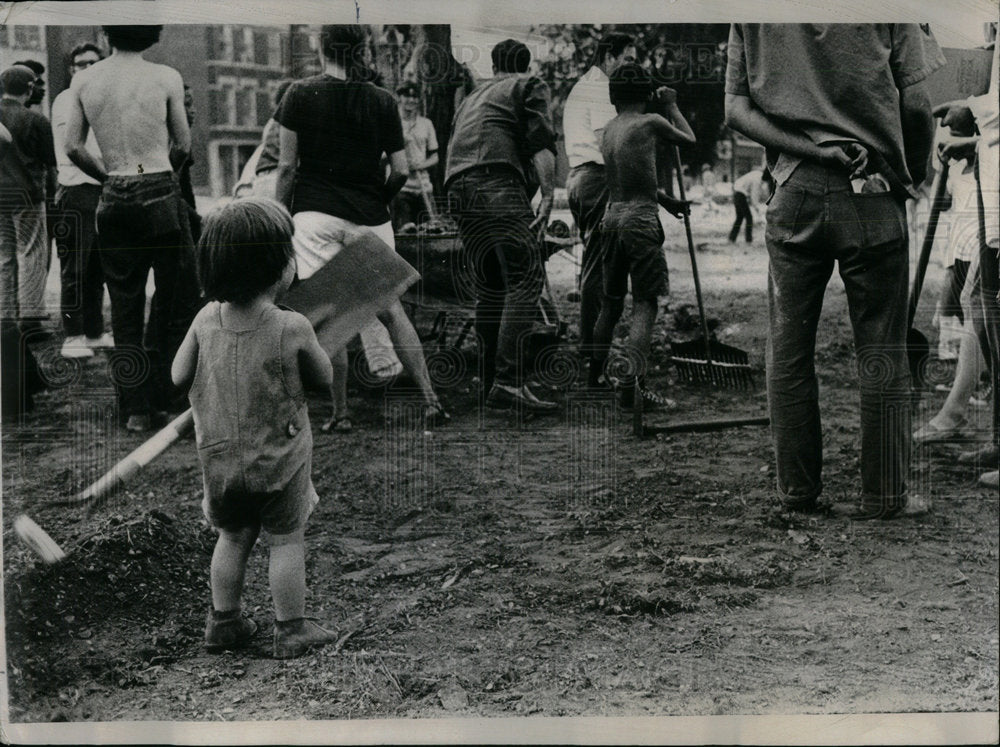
(318, 237)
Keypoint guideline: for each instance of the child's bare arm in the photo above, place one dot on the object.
(314, 363)
(666, 130)
(667, 99)
(186, 361)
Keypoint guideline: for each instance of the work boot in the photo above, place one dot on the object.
(227, 630)
(294, 638)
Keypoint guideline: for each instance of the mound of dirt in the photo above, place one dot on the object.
(146, 567)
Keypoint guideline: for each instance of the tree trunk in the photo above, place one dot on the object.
(443, 81)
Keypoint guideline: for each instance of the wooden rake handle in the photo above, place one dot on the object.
(132, 463)
(694, 259)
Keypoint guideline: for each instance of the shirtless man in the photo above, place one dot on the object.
(632, 144)
(136, 109)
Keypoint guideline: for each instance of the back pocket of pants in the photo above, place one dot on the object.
(881, 217)
(783, 213)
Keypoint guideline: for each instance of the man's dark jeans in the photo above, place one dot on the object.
(814, 220)
(81, 277)
(742, 205)
(494, 218)
(587, 191)
(142, 223)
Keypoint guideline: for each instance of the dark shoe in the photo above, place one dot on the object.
(338, 424)
(802, 506)
(986, 454)
(435, 416)
(888, 508)
(228, 630)
(502, 398)
(34, 331)
(138, 424)
(147, 422)
(294, 638)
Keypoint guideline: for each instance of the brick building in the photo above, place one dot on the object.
(233, 71)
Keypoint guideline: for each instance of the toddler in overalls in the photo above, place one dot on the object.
(247, 361)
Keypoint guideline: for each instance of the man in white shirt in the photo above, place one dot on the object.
(984, 111)
(81, 277)
(588, 109)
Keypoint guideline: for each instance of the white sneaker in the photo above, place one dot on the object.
(990, 479)
(104, 341)
(76, 347)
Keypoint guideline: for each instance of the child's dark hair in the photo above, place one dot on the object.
(630, 84)
(245, 247)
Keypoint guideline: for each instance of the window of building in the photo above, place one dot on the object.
(264, 107)
(243, 49)
(220, 44)
(286, 49)
(245, 107)
(262, 48)
(276, 48)
(228, 162)
(222, 104)
(27, 37)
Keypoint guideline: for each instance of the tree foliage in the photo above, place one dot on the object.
(689, 57)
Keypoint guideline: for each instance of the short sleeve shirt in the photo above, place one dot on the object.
(70, 174)
(344, 128)
(421, 141)
(834, 82)
(986, 110)
(25, 161)
(503, 121)
(588, 109)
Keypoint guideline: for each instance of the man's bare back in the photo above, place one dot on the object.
(629, 147)
(136, 108)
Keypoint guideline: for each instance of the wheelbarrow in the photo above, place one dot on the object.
(448, 281)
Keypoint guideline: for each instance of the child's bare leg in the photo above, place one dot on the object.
(338, 391)
(604, 330)
(970, 363)
(641, 330)
(639, 337)
(229, 563)
(294, 634)
(409, 349)
(287, 576)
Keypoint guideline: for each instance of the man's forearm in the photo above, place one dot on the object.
(918, 130)
(545, 168)
(285, 181)
(743, 116)
(89, 165)
(392, 186)
(178, 157)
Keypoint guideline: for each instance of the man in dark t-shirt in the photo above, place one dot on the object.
(335, 129)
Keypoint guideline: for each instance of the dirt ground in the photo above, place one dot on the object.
(501, 568)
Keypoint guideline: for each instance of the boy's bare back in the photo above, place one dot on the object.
(129, 104)
(631, 145)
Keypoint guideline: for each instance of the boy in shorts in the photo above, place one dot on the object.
(631, 145)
